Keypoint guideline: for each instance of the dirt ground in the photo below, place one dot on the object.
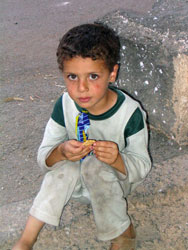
(30, 83)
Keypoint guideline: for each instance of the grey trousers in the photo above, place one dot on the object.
(91, 181)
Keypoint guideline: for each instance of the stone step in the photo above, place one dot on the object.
(154, 63)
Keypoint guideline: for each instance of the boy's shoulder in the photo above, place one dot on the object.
(63, 98)
(59, 110)
(126, 98)
(130, 110)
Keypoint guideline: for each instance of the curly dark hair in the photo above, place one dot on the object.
(96, 41)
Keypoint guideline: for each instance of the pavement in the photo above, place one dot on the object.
(30, 83)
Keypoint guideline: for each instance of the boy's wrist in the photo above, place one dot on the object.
(60, 152)
(55, 156)
(119, 164)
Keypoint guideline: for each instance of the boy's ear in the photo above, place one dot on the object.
(113, 74)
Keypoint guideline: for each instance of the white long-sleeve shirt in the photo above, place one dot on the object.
(124, 124)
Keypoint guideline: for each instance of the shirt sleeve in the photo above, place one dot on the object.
(135, 154)
(54, 135)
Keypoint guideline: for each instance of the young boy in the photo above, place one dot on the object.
(105, 172)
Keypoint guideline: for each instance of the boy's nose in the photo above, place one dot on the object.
(83, 85)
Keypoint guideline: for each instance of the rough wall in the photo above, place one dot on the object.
(180, 98)
(154, 63)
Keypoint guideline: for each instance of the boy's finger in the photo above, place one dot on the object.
(76, 150)
(105, 155)
(84, 152)
(77, 157)
(105, 144)
(102, 149)
(75, 143)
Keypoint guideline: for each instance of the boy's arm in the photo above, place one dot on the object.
(54, 157)
(135, 154)
(56, 146)
(54, 135)
(119, 165)
(136, 157)
(71, 150)
(133, 161)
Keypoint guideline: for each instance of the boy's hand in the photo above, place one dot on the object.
(73, 150)
(108, 152)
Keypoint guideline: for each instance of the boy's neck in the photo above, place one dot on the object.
(109, 102)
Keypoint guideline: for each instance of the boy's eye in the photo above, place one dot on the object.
(72, 77)
(93, 76)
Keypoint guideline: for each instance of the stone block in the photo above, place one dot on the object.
(154, 63)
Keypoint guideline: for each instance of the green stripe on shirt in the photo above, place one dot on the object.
(135, 124)
(57, 114)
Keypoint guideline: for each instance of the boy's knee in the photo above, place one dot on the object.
(68, 171)
(95, 171)
(90, 166)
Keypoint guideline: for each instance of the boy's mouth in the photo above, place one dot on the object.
(84, 99)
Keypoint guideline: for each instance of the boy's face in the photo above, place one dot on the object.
(87, 83)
